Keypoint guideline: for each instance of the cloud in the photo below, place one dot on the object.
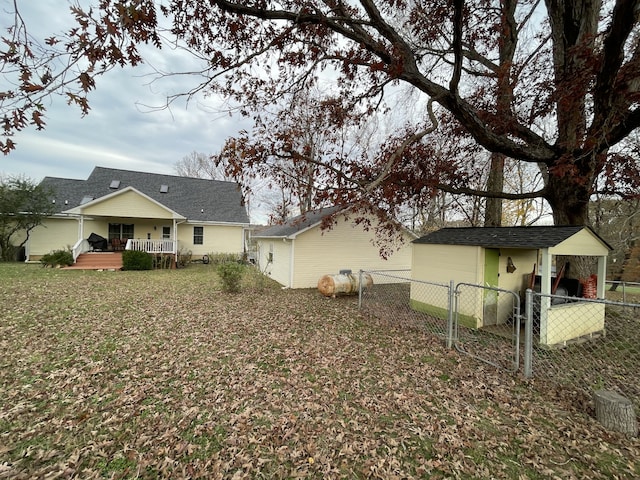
(121, 131)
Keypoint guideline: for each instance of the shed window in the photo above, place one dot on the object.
(198, 235)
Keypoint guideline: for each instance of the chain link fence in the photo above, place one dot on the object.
(578, 344)
(585, 345)
(390, 298)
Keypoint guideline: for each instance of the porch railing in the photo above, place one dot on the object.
(151, 246)
(80, 247)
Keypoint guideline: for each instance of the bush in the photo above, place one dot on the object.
(221, 258)
(57, 257)
(231, 275)
(184, 258)
(136, 260)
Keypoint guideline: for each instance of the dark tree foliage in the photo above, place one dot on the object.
(554, 83)
(23, 206)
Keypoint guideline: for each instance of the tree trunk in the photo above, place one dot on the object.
(615, 412)
(495, 184)
(569, 201)
(570, 206)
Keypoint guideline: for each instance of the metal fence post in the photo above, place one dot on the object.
(528, 334)
(450, 315)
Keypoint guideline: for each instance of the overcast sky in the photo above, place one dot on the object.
(118, 132)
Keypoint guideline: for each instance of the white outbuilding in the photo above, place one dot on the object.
(514, 259)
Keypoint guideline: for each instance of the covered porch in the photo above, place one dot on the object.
(126, 220)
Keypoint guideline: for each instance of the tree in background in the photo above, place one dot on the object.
(201, 165)
(569, 71)
(519, 178)
(23, 206)
(294, 151)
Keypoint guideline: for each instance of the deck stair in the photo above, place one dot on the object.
(98, 261)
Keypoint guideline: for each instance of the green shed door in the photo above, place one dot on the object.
(490, 308)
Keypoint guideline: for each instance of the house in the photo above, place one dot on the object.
(143, 211)
(507, 258)
(299, 252)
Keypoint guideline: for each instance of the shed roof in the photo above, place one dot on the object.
(197, 199)
(506, 237)
(298, 224)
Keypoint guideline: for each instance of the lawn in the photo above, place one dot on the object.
(162, 375)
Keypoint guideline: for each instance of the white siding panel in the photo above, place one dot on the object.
(440, 264)
(582, 243)
(53, 234)
(345, 246)
(524, 261)
(279, 269)
(131, 204)
(217, 239)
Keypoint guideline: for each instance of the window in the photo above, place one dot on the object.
(166, 233)
(270, 254)
(120, 230)
(198, 235)
(164, 188)
(115, 184)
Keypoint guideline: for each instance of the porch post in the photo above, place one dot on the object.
(175, 240)
(602, 276)
(545, 290)
(81, 233)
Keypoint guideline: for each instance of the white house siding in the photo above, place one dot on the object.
(217, 238)
(53, 234)
(130, 202)
(279, 267)
(345, 246)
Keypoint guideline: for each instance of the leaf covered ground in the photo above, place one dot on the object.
(162, 375)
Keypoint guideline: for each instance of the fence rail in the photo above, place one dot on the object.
(579, 344)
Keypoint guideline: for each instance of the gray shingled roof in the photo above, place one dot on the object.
(297, 224)
(189, 197)
(504, 237)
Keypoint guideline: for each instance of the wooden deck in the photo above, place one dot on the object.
(98, 261)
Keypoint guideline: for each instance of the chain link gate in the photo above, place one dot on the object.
(488, 324)
(480, 321)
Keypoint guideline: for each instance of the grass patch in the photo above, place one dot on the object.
(160, 374)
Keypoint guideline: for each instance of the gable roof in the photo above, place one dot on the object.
(299, 224)
(197, 199)
(86, 203)
(505, 237)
